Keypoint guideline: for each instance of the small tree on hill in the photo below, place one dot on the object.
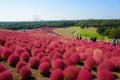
(100, 30)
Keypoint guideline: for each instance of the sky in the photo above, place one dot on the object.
(29, 10)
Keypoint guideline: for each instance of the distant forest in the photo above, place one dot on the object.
(104, 27)
(64, 23)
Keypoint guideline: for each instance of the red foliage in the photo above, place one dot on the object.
(44, 68)
(5, 53)
(8, 44)
(19, 50)
(40, 55)
(1, 49)
(69, 62)
(12, 48)
(67, 54)
(106, 65)
(89, 63)
(25, 72)
(58, 63)
(35, 51)
(6, 75)
(34, 62)
(116, 52)
(89, 52)
(57, 75)
(45, 59)
(2, 67)
(75, 57)
(105, 75)
(116, 61)
(25, 56)
(51, 54)
(108, 55)
(2, 41)
(57, 55)
(82, 56)
(98, 56)
(84, 74)
(20, 64)
(13, 59)
(71, 72)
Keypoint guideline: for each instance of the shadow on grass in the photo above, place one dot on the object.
(116, 76)
(116, 70)
(47, 75)
(94, 76)
(80, 63)
(1, 60)
(30, 78)
(94, 69)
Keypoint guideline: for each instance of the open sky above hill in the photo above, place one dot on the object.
(28, 10)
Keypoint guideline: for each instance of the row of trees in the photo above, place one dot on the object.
(64, 23)
(31, 25)
(104, 27)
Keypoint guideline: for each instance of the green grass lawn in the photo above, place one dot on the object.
(86, 32)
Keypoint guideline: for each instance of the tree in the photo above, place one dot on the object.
(115, 33)
(100, 30)
(106, 32)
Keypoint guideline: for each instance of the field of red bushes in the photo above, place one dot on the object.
(41, 54)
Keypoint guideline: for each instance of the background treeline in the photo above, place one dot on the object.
(104, 27)
(64, 23)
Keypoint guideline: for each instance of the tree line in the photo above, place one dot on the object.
(104, 27)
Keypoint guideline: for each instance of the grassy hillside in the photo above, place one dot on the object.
(86, 32)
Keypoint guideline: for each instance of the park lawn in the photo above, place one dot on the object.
(86, 32)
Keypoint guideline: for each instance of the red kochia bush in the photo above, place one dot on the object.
(98, 56)
(20, 64)
(6, 75)
(57, 75)
(69, 62)
(19, 50)
(8, 44)
(45, 59)
(35, 51)
(82, 56)
(106, 65)
(89, 63)
(97, 51)
(44, 68)
(75, 57)
(105, 75)
(71, 72)
(58, 63)
(57, 55)
(67, 54)
(1, 48)
(116, 61)
(34, 62)
(25, 72)
(12, 48)
(84, 74)
(89, 52)
(51, 53)
(25, 56)
(13, 59)
(40, 55)
(2, 67)
(5, 53)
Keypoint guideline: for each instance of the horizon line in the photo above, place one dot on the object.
(55, 20)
